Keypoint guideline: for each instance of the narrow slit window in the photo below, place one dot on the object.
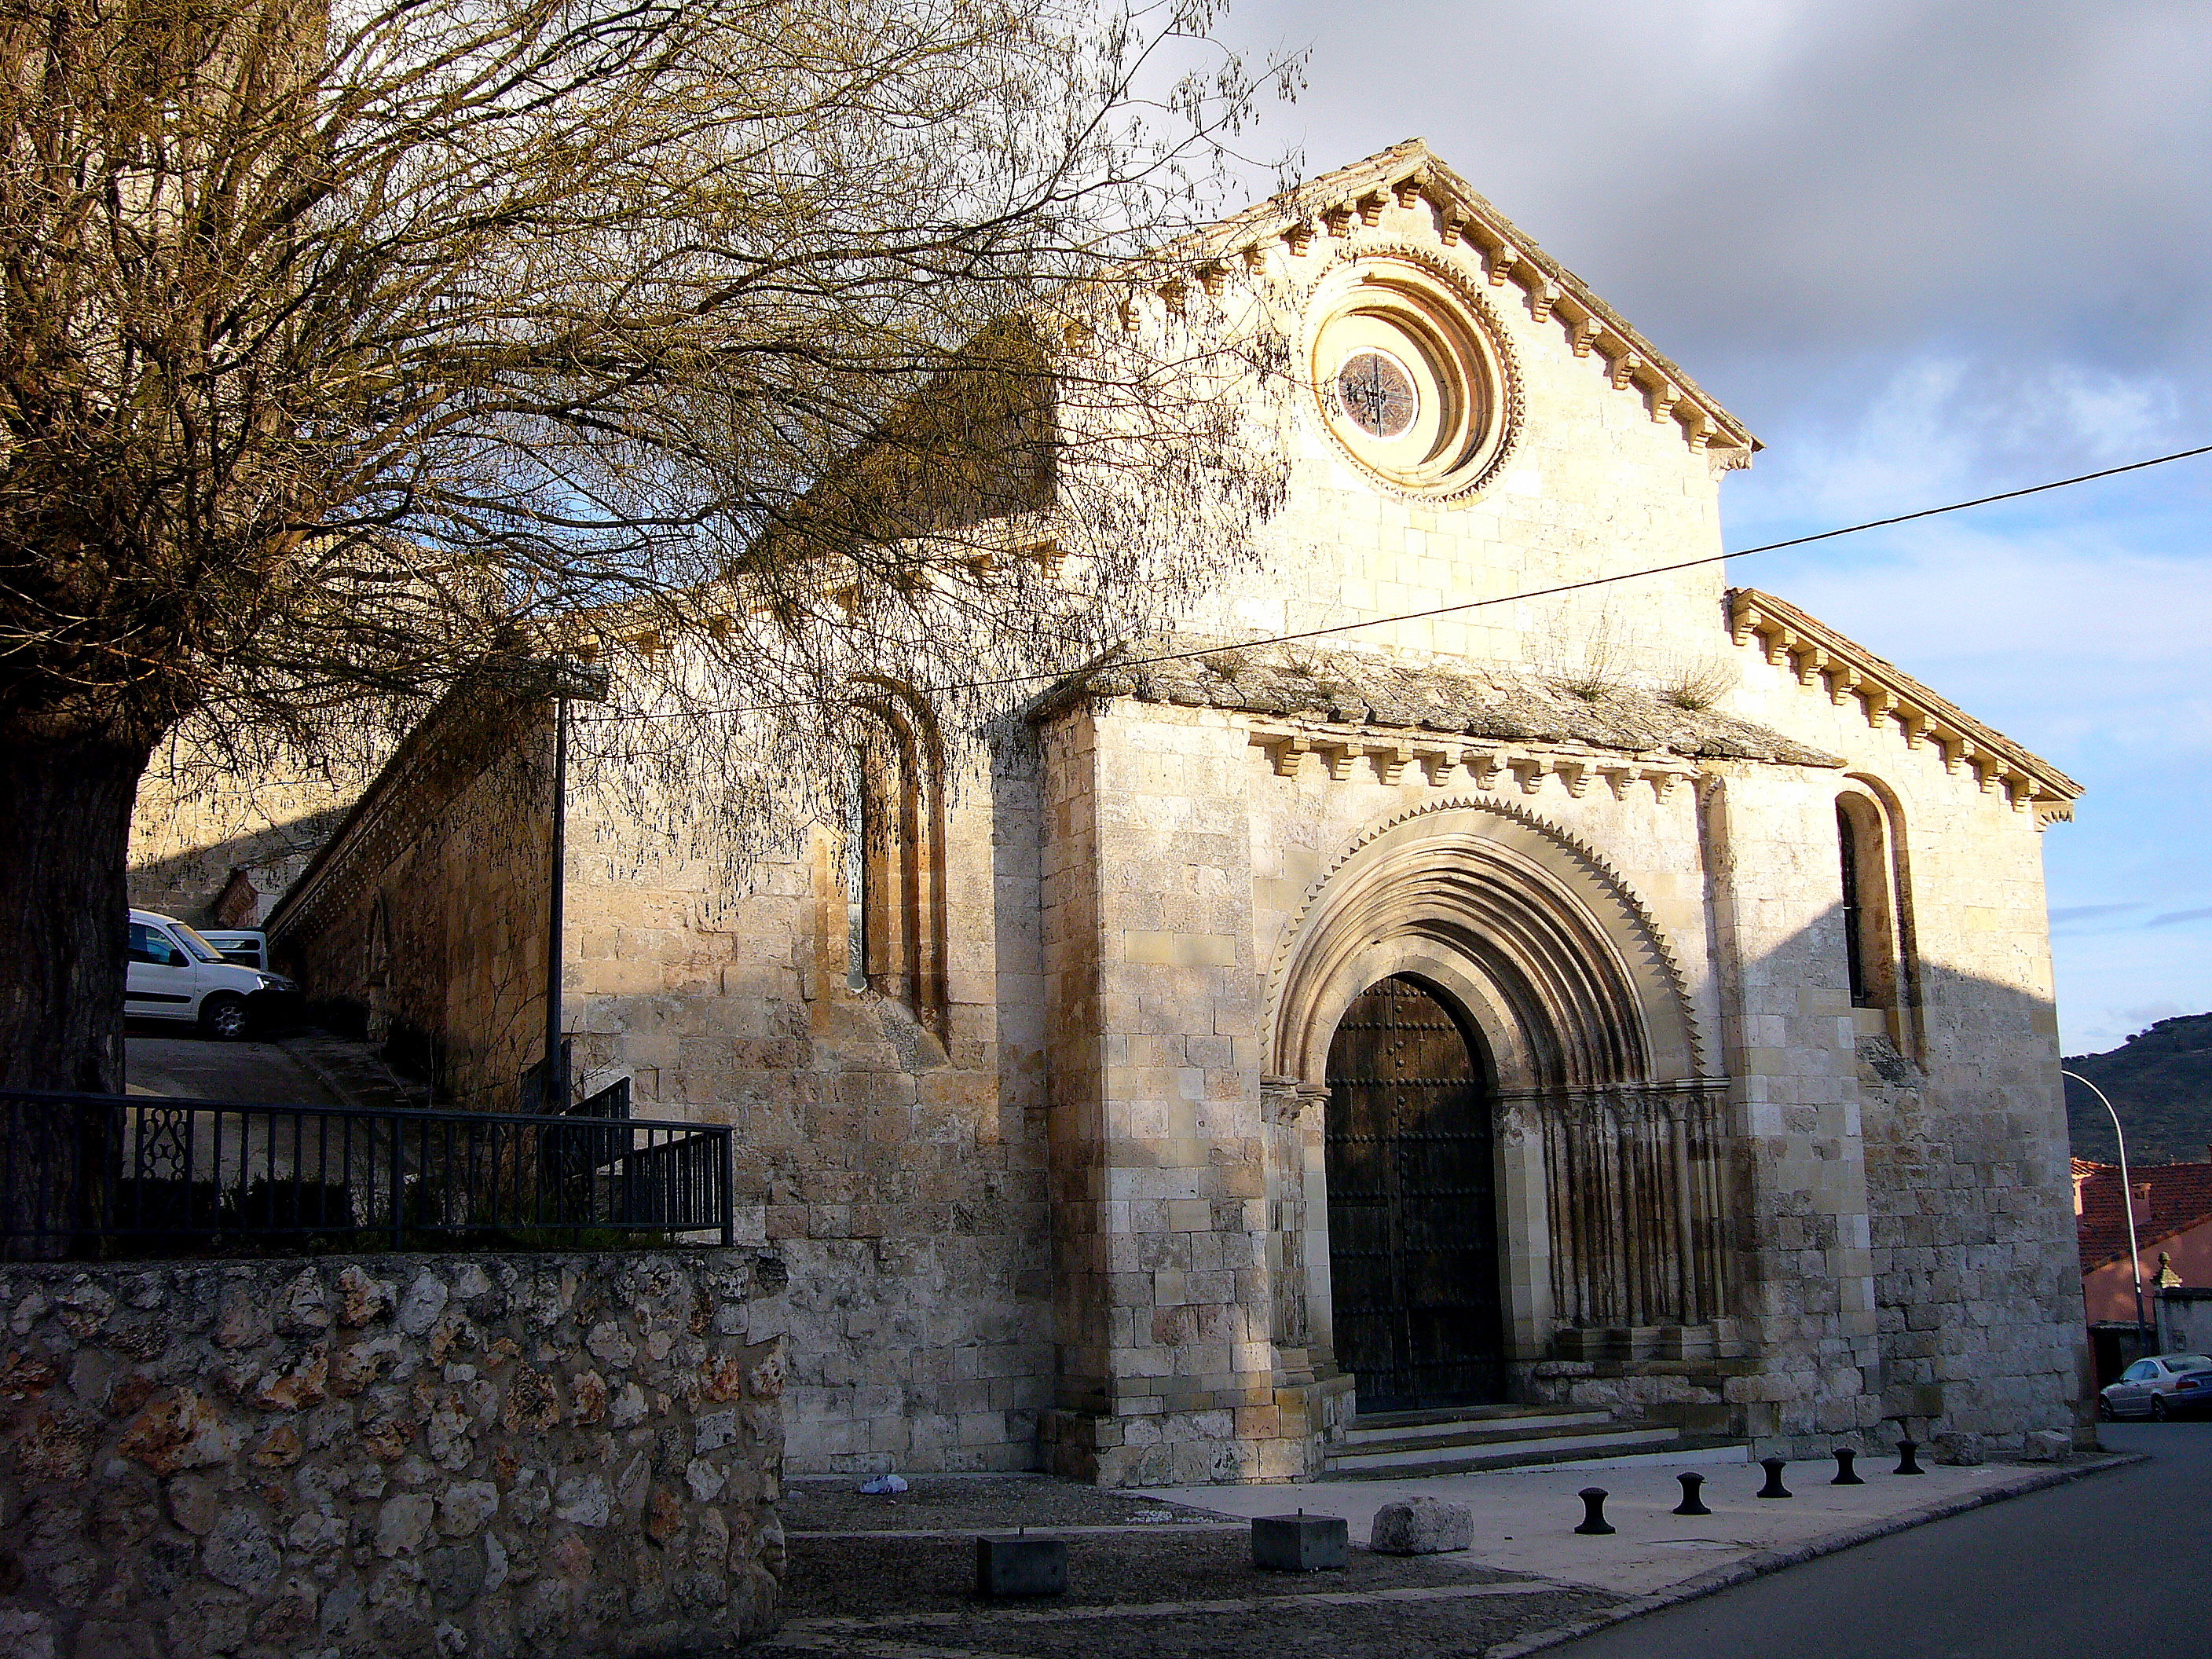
(1872, 935)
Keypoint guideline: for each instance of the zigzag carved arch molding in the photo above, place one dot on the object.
(1569, 978)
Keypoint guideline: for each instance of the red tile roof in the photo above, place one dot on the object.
(2170, 1198)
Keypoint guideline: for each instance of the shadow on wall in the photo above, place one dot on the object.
(185, 883)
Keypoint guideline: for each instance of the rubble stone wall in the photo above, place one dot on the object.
(455, 1455)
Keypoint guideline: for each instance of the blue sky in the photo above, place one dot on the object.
(1925, 252)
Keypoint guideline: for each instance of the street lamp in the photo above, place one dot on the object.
(2127, 1200)
(569, 681)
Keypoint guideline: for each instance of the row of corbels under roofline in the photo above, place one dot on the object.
(1349, 755)
(1818, 656)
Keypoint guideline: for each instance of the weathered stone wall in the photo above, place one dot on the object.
(1946, 1110)
(423, 926)
(188, 833)
(482, 1455)
(890, 1148)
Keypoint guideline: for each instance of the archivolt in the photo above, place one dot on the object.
(1530, 929)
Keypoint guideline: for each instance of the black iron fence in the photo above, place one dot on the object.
(89, 1175)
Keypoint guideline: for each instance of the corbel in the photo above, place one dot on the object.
(1500, 261)
(1774, 646)
(1529, 772)
(1370, 208)
(1173, 294)
(1807, 664)
(1664, 396)
(1914, 725)
(1948, 744)
(1541, 298)
(1483, 765)
(1437, 763)
(1408, 189)
(1298, 238)
(2022, 787)
(1663, 780)
(1339, 757)
(1289, 755)
(1390, 760)
(1878, 703)
(1454, 222)
(1699, 429)
(1213, 277)
(1625, 367)
(1617, 779)
(1575, 774)
(1129, 317)
(1743, 627)
(1586, 330)
(1843, 682)
(1255, 257)
(1337, 220)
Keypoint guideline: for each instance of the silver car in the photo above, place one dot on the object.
(2148, 1387)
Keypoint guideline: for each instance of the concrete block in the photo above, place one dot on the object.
(1963, 1451)
(1422, 1526)
(1020, 1565)
(1299, 1543)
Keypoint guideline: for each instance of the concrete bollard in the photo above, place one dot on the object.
(1906, 1463)
(1021, 1566)
(1846, 1474)
(1593, 1522)
(1300, 1542)
(1692, 1503)
(1773, 1488)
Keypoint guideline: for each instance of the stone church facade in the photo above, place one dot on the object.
(1636, 997)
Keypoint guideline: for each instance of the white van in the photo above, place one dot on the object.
(176, 973)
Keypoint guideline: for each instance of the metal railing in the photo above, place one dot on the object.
(85, 1174)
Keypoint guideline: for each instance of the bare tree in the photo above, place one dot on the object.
(351, 353)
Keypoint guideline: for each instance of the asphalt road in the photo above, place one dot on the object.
(2114, 1564)
(175, 1060)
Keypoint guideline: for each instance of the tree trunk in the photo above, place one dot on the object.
(65, 832)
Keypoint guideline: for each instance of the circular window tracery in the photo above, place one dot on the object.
(1412, 376)
(1377, 392)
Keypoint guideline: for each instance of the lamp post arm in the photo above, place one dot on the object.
(2127, 1191)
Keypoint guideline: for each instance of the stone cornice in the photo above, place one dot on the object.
(1339, 204)
(1816, 654)
(1403, 757)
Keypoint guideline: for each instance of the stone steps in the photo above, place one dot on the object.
(1402, 1445)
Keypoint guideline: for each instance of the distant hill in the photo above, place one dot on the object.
(2161, 1082)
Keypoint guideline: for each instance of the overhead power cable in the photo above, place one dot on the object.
(1499, 598)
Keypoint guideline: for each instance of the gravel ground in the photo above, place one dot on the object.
(1153, 1587)
(970, 1505)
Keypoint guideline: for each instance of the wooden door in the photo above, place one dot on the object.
(1413, 1211)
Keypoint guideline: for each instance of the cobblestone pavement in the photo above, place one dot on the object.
(892, 1578)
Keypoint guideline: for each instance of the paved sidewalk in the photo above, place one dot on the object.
(1525, 1520)
(1169, 1573)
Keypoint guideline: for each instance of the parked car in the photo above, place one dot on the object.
(2165, 1385)
(246, 946)
(175, 973)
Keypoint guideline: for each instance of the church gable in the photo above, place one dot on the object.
(1405, 208)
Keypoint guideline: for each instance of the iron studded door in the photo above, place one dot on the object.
(1413, 1212)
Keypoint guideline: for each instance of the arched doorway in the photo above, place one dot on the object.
(1413, 1209)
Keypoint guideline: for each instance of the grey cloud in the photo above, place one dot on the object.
(2173, 917)
(2086, 912)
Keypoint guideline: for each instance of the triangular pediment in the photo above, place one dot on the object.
(1338, 204)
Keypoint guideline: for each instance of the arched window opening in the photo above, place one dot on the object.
(889, 864)
(1875, 931)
